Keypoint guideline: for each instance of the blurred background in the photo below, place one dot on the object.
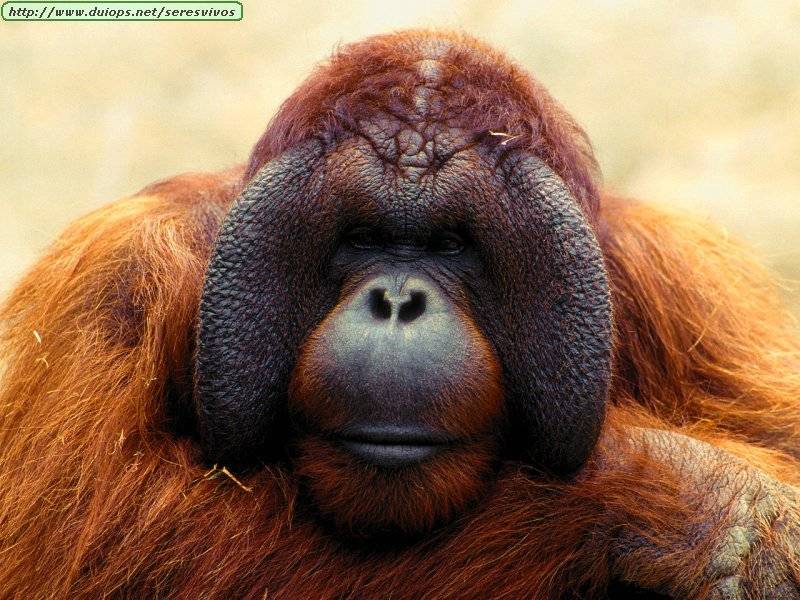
(689, 104)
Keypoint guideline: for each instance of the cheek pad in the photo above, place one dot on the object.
(549, 314)
(262, 293)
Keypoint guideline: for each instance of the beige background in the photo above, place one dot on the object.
(691, 104)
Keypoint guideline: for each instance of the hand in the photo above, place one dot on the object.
(737, 531)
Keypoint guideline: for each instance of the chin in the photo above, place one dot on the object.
(394, 493)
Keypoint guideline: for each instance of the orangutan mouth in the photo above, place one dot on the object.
(394, 446)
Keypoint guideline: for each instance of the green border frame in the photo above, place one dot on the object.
(168, 20)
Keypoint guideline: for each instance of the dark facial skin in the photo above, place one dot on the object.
(389, 355)
(402, 299)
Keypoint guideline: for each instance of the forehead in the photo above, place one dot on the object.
(409, 178)
(411, 153)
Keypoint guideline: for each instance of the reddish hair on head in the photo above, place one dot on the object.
(485, 91)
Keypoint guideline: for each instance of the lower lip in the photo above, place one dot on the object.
(390, 455)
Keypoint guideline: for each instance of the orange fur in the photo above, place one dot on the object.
(703, 335)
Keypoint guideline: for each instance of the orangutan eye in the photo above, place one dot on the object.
(448, 243)
(363, 238)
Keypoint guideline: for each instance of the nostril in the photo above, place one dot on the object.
(412, 308)
(379, 304)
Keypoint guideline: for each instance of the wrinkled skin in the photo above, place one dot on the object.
(746, 522)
